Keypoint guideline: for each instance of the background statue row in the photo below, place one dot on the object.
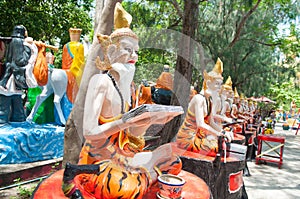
(27, 67)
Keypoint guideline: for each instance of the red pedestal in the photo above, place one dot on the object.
(195, 188)
(225, 180)
(264, 155)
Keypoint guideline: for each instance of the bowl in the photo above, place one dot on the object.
(170, 186)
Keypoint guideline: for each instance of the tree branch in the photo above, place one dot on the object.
(263, 43)
(247, 54)
(176, 6)
(242, 23)
(175, 24)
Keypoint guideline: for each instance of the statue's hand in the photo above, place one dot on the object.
(149, 159)
(227, 135)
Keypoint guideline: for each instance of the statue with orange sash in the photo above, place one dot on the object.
(113, 163)
(242, 110)
(73, 62)
(223, 104)
(204, 143)
(237, 128)
(236, 100)
(229, 109)
(199, 131)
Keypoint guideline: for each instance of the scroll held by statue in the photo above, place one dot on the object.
(155, 111)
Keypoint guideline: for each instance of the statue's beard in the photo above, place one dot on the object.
(126, 73)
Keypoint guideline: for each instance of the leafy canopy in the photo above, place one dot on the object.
(46, 20)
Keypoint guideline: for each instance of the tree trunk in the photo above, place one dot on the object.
(73, 139)
(183, 74)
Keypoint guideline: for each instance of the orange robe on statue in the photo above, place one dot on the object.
(113, 154)
(165, 81)
(145, 97)
(198, 140)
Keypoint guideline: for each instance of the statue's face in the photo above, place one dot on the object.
(125, 51)
(236, 99)
(215, 85)
(230, 95)
(75, 36)
(224, 93)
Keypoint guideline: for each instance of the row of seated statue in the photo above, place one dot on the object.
(113, 162)
(28, 66)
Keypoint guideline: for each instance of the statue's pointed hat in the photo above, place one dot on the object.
(122, 19)
(216, 73)
(236, 94)
(228, 84)
(242, 97)
(218, 67)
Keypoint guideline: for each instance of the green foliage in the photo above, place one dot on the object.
(253, 61)
(58, 59)
(24, 192)
(46, 20)
(158, 14)
(148, 18)
(150, 64)
(250, 61)
(284, 93)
